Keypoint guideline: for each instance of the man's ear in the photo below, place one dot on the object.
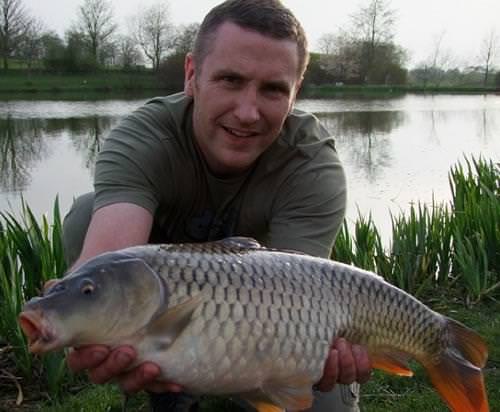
(189, 74)
(296, 93)
(298, 87)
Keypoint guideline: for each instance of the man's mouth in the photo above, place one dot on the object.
(240, 133)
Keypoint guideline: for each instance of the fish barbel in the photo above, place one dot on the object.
(233, 317)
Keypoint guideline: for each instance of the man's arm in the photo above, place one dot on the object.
(115, 227)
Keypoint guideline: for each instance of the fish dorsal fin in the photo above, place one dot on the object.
(169, 324)
(240, 242)
(294, 393)
(391, 361)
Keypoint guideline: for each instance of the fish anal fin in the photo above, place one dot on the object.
(391, 361)
(169, 324)
(262, 406)
(293, 393)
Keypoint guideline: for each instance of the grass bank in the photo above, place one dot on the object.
(332, 91)
(19, 84)
(36, 84)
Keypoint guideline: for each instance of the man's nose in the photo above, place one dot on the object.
(247, 107)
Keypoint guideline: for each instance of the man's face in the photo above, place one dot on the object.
(242, 94)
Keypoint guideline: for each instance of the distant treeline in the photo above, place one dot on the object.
(364, 52)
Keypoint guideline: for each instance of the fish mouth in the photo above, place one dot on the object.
(39, 332)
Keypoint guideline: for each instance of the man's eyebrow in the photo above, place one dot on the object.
(272, 84)
(278, 84)
(227, 72)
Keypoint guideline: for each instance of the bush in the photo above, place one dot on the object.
(171, 73)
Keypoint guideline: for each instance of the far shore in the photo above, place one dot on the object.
(102, 85)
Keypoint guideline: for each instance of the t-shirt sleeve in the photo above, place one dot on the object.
(310, 206)
(132, 162)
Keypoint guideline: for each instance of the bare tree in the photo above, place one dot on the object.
(13, 21)
(96, 22)
(488, 52)
(326, 43)
(183, 40)
(153, 32)
(439, 60)
(31, 46)
(341, 55)
(375, 22)
(374, 25)
(128, 53)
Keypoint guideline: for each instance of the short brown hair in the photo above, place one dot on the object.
(267, 17)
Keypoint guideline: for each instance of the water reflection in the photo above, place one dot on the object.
(365, 138)
(395, 151)
(87, 136)
(24, 143)
(21, 146)
(488, 126)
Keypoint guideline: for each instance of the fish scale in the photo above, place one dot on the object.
(232, 317)
(263, 319)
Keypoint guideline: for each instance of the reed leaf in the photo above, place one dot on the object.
(30, 254)
(343, 250)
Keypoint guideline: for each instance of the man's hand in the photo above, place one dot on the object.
(346, 364)
(105, 365)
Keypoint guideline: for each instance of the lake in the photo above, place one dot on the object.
(396, 151)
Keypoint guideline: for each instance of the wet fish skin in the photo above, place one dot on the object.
(231, 317)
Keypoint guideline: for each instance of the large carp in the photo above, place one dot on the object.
(232, 317)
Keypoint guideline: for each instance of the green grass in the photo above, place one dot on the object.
(329, 90)
(18, 82)
(14, 83)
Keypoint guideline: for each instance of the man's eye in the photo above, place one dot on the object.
(231, 79)
(275, 90)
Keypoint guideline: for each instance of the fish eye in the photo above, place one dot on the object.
(87, 288)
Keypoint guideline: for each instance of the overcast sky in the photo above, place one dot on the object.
(463, 23)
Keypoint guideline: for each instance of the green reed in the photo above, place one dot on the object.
(455, 246)
(421, 248)
(476, 226)
(11, 301)
(31, 253)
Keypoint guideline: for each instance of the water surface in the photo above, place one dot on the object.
(395, 150)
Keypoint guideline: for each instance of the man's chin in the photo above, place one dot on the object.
(234, 166)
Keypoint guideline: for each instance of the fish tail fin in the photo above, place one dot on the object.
(457, 373)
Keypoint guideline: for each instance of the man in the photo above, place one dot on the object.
(229, 156)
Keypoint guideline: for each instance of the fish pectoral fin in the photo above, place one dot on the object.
(294, 394)
(391, 361)
(170, 324)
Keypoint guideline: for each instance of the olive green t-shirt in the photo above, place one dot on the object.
(293, 198)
